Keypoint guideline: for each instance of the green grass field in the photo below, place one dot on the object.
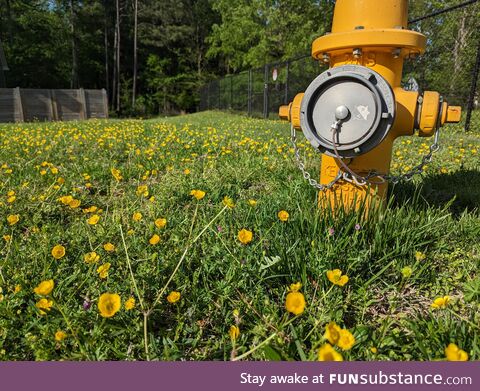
(82, 185)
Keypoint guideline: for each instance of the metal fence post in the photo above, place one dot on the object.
(265, 93)
(287, 68)
(473, 90)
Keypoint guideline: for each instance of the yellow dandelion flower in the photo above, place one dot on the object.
(109, 304)
(65, 200)
(7, 238)
(130, 304)
(234, 332)
(328, 353)
(332, 333)
(335, 277)
(245, 236)
(228, 202)
(160, 223)
(252, 202)
(60, 335)
(116, 174)
(295, 287)
(11, 199)
(155, 239)
(173, 297)
(44, 288)
(295, 303)
(13, 219)
(58, 251)
(454, 353)
(198, 194)
(283, 215)
(74, 203)
(440, 302)
(186, 171)
(137, 216)
(92, 220)
(90, 209)
(142, 190)
(346, 340)
(91, 257)
(109, 247)
(18, 288)
(44, 304)
(419, 256)
(102, 270)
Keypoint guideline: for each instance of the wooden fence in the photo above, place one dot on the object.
(25, 105)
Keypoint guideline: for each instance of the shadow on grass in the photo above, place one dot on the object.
(460, 189)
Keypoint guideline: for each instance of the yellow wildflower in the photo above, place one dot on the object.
(245, 236)
(58, 251)
(142, 190)
(7, 238)
(92, 220)
(160, 223)
(109, 247)
(60, 335)
(137, 216)
(116, 174)
(102, 270)
(13, 219)
(18, 288)
(283, 215)
(198, 194)
(65, 200)
(328, 353)
(44, 288)
(295, 303)
(252, 202)
(109, 304)
(228, 202)
(332, 333)
(346, 340)
(335, 277)
(419, 256)
(295, 287)
(91, 257)
(74, 204)
(11, 199)
(440, 302)
(44, 304)
(173, 297)
(130, 304)
(454, 353)
(155, 239)
(234, 332)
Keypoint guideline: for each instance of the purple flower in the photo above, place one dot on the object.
(358, 227)
(331, 231)
(219, 228)
(87, 304)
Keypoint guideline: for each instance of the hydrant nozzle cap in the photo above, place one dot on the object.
(284, 112)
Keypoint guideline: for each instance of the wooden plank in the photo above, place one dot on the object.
(83, 103)
(19, 105)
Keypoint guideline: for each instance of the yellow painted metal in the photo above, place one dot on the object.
(284, 112)
(374, 34)
(429, 113)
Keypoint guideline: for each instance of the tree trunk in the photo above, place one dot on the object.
(107, 75)
(117, 3)
(74, 75)
(135, 30)
(114, 78)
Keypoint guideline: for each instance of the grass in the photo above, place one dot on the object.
(430, 226)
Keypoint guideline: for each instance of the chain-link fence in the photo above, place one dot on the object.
(450, 65)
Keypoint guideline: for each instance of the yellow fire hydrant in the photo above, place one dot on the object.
(353, 112)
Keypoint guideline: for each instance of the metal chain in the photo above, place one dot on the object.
(362, 181)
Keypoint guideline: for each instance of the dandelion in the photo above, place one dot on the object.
(346, 340)
(440, 302)
(58, 251)
(90, 209)
(11, 199)
(295, 303)
(295, 287)
(65, 200)
(18, 288)
(160, 223)
(155, 239)
(60, 335)
(7, 238)
(109, 304)
(116, 174)
(332, 333)
(374, 350)
(335, 277)
(74, 204)
(44, 304)
(186, 171)
(234, 332)
(102, 270)
(419, 256)
(454, 353)
(406, 271)
(252, 202)
(91, 257)
(328, 353)
(173, 297)
(13, 219)
(142, 190)
(198, 194)
(283, 215)
(44, 288)
(228, 202)
(137, 216)
(130, 304)
(109, 247)
(92, 220)
(245, 236)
